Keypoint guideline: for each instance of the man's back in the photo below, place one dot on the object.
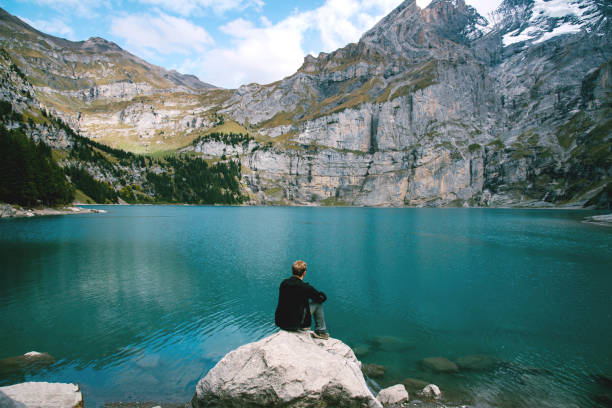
(293, 311)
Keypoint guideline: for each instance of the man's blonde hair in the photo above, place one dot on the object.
(298, 268)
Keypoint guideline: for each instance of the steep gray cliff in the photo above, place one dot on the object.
(432, 107)
(442, 107)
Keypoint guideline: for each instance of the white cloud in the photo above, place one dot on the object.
(342, 21)
(55, 26)
(191, 7)
(256, 54)
(270, 52)
(160, 33)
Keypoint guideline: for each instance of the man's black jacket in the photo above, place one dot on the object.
(293, 311)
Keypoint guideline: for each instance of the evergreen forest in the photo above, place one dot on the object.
(31, 175)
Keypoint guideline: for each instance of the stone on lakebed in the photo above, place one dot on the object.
(288, 369)
(373, 370)
(390, 344)
(476, 362)
(414, 384)
(361, 350)
(25, 363)
(440, 365)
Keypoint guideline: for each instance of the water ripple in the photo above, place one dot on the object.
(139, 303)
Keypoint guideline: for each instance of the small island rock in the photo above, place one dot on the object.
(286, 369)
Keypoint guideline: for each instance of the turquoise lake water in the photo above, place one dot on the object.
(139, 303)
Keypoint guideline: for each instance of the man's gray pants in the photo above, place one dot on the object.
(316, 310)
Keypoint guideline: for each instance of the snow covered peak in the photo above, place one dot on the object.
(551, 18)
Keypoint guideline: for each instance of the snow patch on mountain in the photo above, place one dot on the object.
(552, 18)
(560, 30)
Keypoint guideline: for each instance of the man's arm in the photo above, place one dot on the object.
(315, 295)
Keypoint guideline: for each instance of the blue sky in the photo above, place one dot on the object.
(224, 42)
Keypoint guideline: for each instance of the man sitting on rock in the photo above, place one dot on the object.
(294, 309)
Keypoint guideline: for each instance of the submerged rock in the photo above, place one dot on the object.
(41, 395)
(286, 369)
(476, 362)
(361, 350)
(414, 384)
(393, 396)
(440, 365)
(373, 370)
(390, 343)
(605, 380)
(32, 360)
(603, 399)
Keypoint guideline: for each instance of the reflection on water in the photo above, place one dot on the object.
(137, 304)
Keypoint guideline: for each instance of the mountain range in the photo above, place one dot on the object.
(432, 107)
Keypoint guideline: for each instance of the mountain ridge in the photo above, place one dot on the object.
(430, 108)
(8, 23)
(108, 93)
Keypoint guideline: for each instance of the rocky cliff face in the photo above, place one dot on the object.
(441, 107)
(432, 107)
(107, 93)
(95, 171)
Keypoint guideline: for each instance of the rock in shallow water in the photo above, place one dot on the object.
(390, 344)
(414, 384)
(286, 369)
(440, 365)
(361, 350)
(605, 380)
(27, 363)
(432, 390)
(373, 370)
(393, 396)
(476, 362)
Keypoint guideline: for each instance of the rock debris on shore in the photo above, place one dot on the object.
(15, 211)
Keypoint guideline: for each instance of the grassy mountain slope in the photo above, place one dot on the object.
(107, 93)
(45, 162)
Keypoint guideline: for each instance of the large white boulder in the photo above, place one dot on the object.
(41, 395)
(393, 396)
(286, 369)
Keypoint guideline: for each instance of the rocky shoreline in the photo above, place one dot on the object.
(292, 370)
(605, 220)
(15, 211)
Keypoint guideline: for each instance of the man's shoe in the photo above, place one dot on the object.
(320, 335)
